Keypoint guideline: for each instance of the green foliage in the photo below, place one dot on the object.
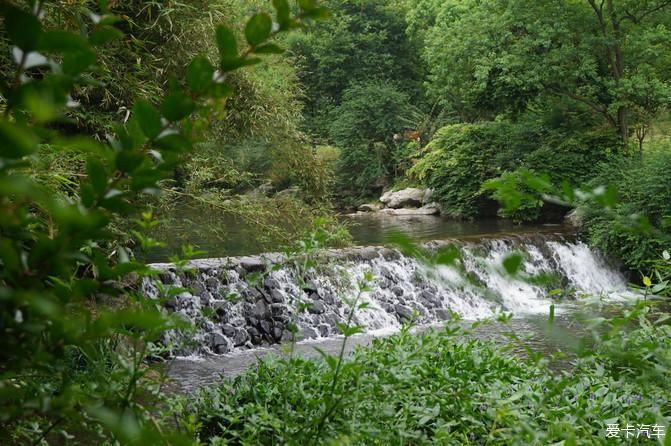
(488, 58)
(464, 163)
(365, 41)
(636, 229)
(75, 336)
(363, 126)
(444, 387)
(462, 157)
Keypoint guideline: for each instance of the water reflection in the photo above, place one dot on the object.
(371, 229)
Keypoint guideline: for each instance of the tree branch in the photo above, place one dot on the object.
(603, 110)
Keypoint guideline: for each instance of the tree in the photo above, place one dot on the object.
(363, 127)
(365, 41)
(488, 58)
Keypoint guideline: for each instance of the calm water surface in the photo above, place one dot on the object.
(221, 235)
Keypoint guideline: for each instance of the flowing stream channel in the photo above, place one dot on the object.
(242, 307)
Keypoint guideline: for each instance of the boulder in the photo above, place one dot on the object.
(426, 199)
(410, 197)
(370, 207)
(219, 343)
(292, 191)
(429, 209)
(442, 314)
(575, 218)
(264, 190)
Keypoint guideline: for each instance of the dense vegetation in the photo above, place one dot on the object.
(114, 112)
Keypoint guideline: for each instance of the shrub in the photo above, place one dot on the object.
(637, 227)
(363, 127)
(461, 157)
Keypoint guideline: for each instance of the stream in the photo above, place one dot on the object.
(241, 309)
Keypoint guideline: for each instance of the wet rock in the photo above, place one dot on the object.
(403, 311)
(442, 314)
(197, 288)
(428, 194)
(307, 333)
(251, 294)
(370, 207)
(221, 309)
(324, 330)
(369, 253)
(316, 307)
(205, 298)
(261, 310)
(228, 330)
(271, 283)
(429, 209)
(219, 343)
(277, 296)
(277, 332)
(398, 291)
(237, 322)
(212, 284)
(254, 335)
(266, 327)
(240, 337)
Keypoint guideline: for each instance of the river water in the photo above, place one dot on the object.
(221, 234)
(530, 332)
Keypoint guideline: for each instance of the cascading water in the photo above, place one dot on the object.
(232, 311)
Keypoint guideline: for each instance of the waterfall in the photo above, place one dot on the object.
(241, 303)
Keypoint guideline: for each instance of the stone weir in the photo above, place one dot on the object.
(252, 301)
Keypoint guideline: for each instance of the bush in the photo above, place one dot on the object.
(636, 229)
(461, 157)
(363, 127)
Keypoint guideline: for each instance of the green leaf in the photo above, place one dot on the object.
(97, 176)
(177, 106)
(283, 13)
(105, 34)
(128, 161)
(148, 117)
(199, 74)
(75, 63)
(647, 282)
(227, 44)
(512, 263)
(23, 28)
(258, 29)
(268, 48)
(221, 90)
(62, 41)
(15, 141)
